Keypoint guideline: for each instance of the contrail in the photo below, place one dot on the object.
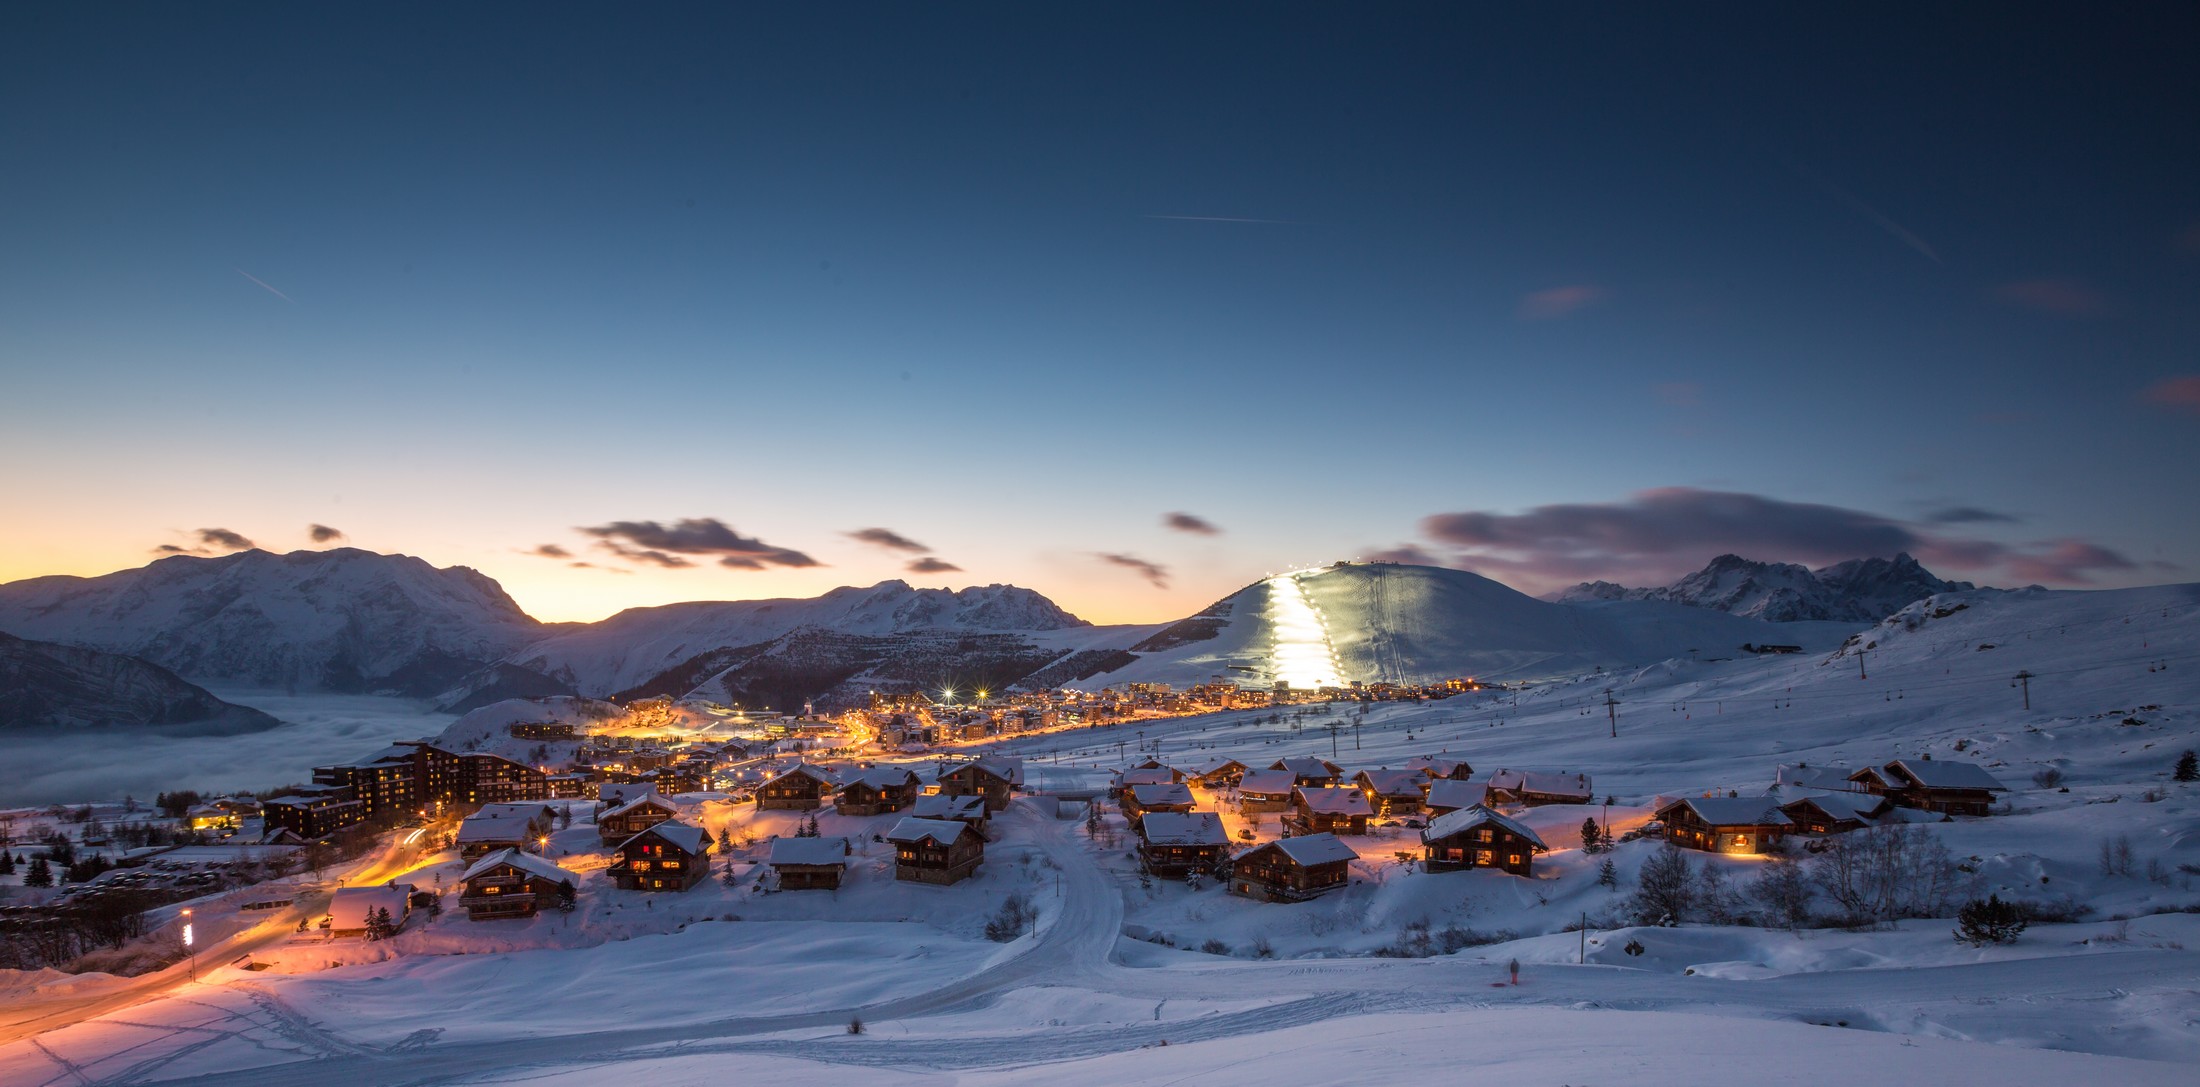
(1220, 219)
(1894, 229)
(263, 283)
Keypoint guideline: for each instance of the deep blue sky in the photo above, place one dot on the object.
(1821, 278)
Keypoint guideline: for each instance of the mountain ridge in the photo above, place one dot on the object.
(1857, 590)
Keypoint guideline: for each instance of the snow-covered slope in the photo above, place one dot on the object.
(1860, 590)
(340, 620)
(46, 687)
(1386, 622)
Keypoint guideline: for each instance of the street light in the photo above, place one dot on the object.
(189, 953)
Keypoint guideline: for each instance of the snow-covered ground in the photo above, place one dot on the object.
(634, 988)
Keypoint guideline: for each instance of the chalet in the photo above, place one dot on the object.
(1175, 844)
(670, 856)
(1156, 764)
(1451, 794)
(1310, 771)
(1266, 791)
(1720, 824)
(1216, 773)
(985, 777)
(876, 791)
(540, 818)
(1166, 797)
(809, 864)
(1955, 788)
(1392, 792)
(210, 817)
(1131, 779)
(1339, 810)
(960, 809)
(1529, 788)
(1436, 766)
(1835, 813)
(801, 788)
(1787, 778)
(646, 810)
(935, 850)
(611, 794)
(1476, 837)
(480, 835)
(1292, 869)
(514, 884)
(353, 908)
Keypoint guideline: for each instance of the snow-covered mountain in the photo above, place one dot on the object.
(1859, 590)
(340, 620)
(1387, 622)
(46, 687)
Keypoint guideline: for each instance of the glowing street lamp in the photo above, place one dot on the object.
(189, 951)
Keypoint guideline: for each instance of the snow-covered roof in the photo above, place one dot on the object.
(619, 792)
(1167, 792)
(942, 806)
(1812, 777)
(1309, 849)
(1450, 793)
(1547, 784)
(913, 829)
(809, 851)
(1335, 800)
(1307, 767)
(1468, 818)
(1733, 811)
(1394, 782)
(690, 839)
(516, 811)
(1940, 774)
(1213, 766)
(650, 799)
(814, 773)
(1278, 782)
(880, 777)
(493, 828)
(1845, 805)
(351, 906)
(1161, 776)
(1182, 828)
(525, 862)
(1434, 766)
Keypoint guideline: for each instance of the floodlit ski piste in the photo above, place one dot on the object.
(1297, 880)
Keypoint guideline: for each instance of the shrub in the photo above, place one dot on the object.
(1666, 891)
(1215, 947)
(855, 1025)
(1014, 917)
(1989, 922)
(2047, 778)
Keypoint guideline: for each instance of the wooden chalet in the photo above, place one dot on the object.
(1127, 780)
(935, 850)
(969, 810)
(1216, 773)
(1392, 792)
(1292, 869)
(1451, 794)
(1156, 764)
(802, 787)
(985, 777)
(876, 791)
(1723, 824)
(540, 818)
(1529, 788)
(670, 856)
(624, 821)
(480, 835)
(1437, 766)
(809, 864)
(1266, 791)
(611, 794)
(511, 883)
(1310, 771)
(1335, 810)
(1168, 796)
(1835, 813)
(1477, 837)
(1953, 788)
(1176, 844)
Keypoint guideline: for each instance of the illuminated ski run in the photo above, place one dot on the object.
(1302, 655)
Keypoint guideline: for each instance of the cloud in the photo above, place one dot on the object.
(179, 549)
(932, 565)
(2181, 394)
(1405, 553)
(1153, 571)
(2061, 297)
(1656, 535)
(263, 284)
(550, 551)
(1878, 218)
(1185, 522)
(583, 564)
(1558, 301)
(225, 539)
(887, 538)
(664, 545)
(323, 533)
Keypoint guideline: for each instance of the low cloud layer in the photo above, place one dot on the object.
(1152, 571)
(324, 534)
(888, 539)
(671, 546)
(1191, 523)
(1657, 535)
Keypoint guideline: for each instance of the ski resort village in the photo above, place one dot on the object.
(1959, 841)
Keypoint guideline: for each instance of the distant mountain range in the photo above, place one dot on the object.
(1857, 591)
(351, 620)
(46, 687)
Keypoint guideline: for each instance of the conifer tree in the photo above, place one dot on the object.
(40, 875)
(1592, 838)
(2188, 767)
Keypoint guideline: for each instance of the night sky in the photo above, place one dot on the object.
(1130, 305)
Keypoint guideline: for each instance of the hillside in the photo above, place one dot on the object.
(47, 688)
(1860, 590)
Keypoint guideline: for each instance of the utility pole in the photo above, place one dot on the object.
(1860, 665)
(1611, 711)
(2024, 679)
(1583, 957)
